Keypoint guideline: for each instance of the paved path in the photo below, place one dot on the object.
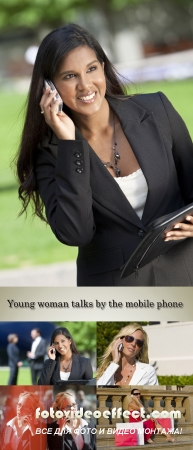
(60, 274)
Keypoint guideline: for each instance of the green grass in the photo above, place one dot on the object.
(27, 242)
(24, 376)
(23, 242)
(179, 93)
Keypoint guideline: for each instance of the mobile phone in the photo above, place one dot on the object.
(120, 347)
(53, 350)
(57, 96)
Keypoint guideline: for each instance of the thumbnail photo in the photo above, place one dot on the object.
(144, 353)
(157, 415)
(47, 418)
(47, 353)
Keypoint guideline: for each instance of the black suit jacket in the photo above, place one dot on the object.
(26, 442)
(38, 361)
(66, 442)
(81, 370)
(13, 354)
(84, 205)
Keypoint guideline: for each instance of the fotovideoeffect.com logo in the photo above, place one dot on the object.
(117, 413)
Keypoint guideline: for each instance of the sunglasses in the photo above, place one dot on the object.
(69, 407)
(136, 393)
(139, 343)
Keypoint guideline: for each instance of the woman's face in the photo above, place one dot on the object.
(24, 407)
(69, 403)
(81, 82)
(131, 348)
(62, 344)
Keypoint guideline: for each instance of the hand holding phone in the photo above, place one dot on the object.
(51, 105)
(120, 347)
(57, 96)
(116, 350)
(52, 352)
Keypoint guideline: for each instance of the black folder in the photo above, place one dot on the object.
(153, 244)
(63, 383)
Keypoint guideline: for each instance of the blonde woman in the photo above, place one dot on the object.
(125, 361)
(20, 432)
(74, 432)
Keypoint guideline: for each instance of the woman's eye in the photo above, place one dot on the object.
(92, 68)
(70, 75)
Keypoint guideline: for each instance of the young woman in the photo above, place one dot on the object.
(149, 425)
(74, 432)
(64, 361)
(106, 166)
(125, 361)
(20, 432)
(14, 361)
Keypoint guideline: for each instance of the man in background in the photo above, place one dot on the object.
(37, 354)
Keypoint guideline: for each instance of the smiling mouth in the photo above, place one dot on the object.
(87, 98)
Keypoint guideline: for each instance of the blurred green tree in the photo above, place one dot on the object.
(84, 335)
(36, 13)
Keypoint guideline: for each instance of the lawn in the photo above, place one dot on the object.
(27, 242)
(24, 376)
(23, 242)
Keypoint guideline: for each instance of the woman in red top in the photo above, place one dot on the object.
(150, 424)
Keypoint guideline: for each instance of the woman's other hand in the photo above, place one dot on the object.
(181, 230)
(52, 353)
(60, 123)
(116, 353)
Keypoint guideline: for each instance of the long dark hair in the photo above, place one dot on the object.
(68, 336)
(54, 47)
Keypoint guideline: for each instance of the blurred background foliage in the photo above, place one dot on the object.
(173, 380)
(30, 13)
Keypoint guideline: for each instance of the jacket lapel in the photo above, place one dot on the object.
(56, 374)
(141, 370)
(143, 134)
(75, 371)
(106, 192)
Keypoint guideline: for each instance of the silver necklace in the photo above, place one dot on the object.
(67, 367)
(130, 373)
(116, 155)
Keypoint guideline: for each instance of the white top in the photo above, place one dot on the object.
(144, 375)
(35, 343)
(134, 187)
(64, 375)
(14, 439)
(78, 437)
